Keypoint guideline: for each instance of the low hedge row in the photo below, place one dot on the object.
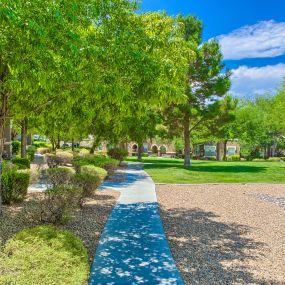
(109, 164)
(22, 163)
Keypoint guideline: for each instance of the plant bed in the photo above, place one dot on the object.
(43, 255)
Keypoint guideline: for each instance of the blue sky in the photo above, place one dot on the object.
(251, 34)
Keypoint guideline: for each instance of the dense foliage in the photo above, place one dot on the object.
(55, 257)
(14, 185)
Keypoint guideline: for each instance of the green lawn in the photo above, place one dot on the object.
(165, 170)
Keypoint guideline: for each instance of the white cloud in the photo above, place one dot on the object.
(250, 81)
(264, 39)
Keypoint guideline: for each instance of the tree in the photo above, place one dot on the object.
(46, 50)
(204, 83)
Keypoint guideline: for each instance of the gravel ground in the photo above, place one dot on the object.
(226, 234)
(87, 223)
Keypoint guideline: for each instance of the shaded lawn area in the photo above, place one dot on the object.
(172, 171)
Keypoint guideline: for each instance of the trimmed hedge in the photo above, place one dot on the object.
(277, 159)
(16, 147)
(41, 144)
(22, 163)
(60, 176)
(234, 158)
(44, 255)
(66, 157)
(31, 150)
(14, 186)
(108, 164)
(43, 150)
(94, 170)
(87, 182)
(59, 203)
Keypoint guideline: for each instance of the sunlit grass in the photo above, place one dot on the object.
(166, 170)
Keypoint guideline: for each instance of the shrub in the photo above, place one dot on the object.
(94, 170)
(258, 159)
(277, 159)
(235, 158)
(31, 150)
(118, 153)
(282, 158)
(16, 147)
(211, 158)
(66, 157)
(108, 164)
(53, 161)
(22, 163)
(41, 144)
(14, 186)
(83, 151)
(59, 202)
(43, 150)
(87, 182)
(59, 176)
(43, 255)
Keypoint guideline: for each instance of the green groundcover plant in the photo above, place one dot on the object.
(44, 255)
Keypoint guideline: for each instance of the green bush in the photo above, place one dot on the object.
(22, 163)
(41, 144)
(277, 159)
(60, 176)
(94, 170)
(87, 182)
(14, 186)
(108, 164)
(59, 203)
(235, 158)
(118, 153)
(44, 255)
(43, 150)
(66, 157)
(53, 161)
(16, 147)
(31, 150)
(282, 158)
(258, 159)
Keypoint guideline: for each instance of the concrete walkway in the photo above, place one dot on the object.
(133, 248)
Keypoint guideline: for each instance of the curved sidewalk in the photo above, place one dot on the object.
(133, 248)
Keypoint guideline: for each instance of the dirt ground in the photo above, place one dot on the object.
(87, 223)
(226, 234)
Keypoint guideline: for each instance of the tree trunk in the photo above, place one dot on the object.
(94, 145)
(3, 116)
(140, 151)
(58, 142)
(52, 140)
(72, 144)
(24, 126)
(186, 126)
(225, 149)
(220, 151)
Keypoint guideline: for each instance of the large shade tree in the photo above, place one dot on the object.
(205, 83)
(46, 50)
